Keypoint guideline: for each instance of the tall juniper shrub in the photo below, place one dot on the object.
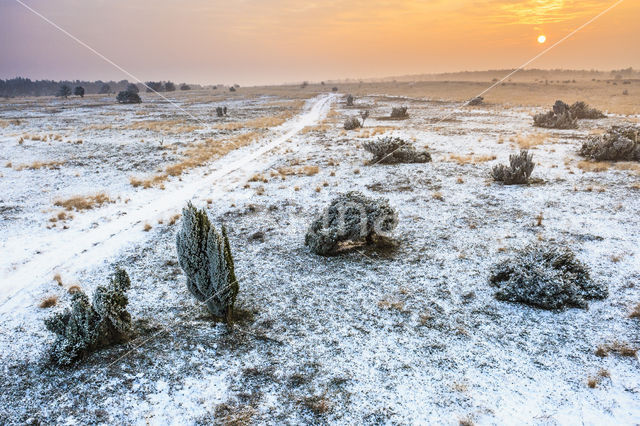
(205, 257)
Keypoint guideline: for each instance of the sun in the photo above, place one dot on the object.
(542, 39)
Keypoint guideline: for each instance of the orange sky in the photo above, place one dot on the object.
(274, 41)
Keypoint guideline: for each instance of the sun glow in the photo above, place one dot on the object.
(542, 39)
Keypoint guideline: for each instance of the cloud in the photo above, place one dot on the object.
(537, 12)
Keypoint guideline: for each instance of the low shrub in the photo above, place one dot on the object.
(559, 118)
(86, 327)
(399, 112)
(126, 97)
(547, 277)
(478, 100)
(350, 217)
(390, 150)
(205, 257)
(581, 110)
(619, 143)
(518, 171)
(352, 123)
(349, 100)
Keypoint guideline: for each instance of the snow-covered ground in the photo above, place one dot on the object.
(406, 335)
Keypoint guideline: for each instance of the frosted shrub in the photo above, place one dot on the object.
(399, 112)
(350, 217)
(518, 171)
(390, 150)
(558, 118)
(478, 100)
(581, 110)
(619, 143)
(349, 100)
(86, 327)
(546, 277)
(352, 123)
(205, 257)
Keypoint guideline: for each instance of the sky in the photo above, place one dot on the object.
(252, 42)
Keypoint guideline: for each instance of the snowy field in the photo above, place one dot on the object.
(411, 334)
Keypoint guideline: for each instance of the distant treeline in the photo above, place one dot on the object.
(26, 87)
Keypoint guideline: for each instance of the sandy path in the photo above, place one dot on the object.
(97, 236)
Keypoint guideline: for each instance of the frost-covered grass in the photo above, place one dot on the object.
(408, 334)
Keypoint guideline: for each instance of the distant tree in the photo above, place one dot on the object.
(237, 86)
(133, 88)
(64, 91)
(126, 97)
(154, 86)
(304, 84)
(232, 89)
(79, 91)
(169, 87)
(185, 86)
(334, 89)
(104, 89)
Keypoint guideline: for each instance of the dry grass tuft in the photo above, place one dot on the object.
(396, 305)
(635, 313)
(147, 227)
(196, 156)
(627, 165)
(594, 166)
(164, 126)
(318, 405)
(470, 159)
(37, 165)
(49, 302)
(174, 219)
(620, 348)
(57, 278)
(84, 202)
(73, 289)
(231, 414)
(303, 170)
(531, 140)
